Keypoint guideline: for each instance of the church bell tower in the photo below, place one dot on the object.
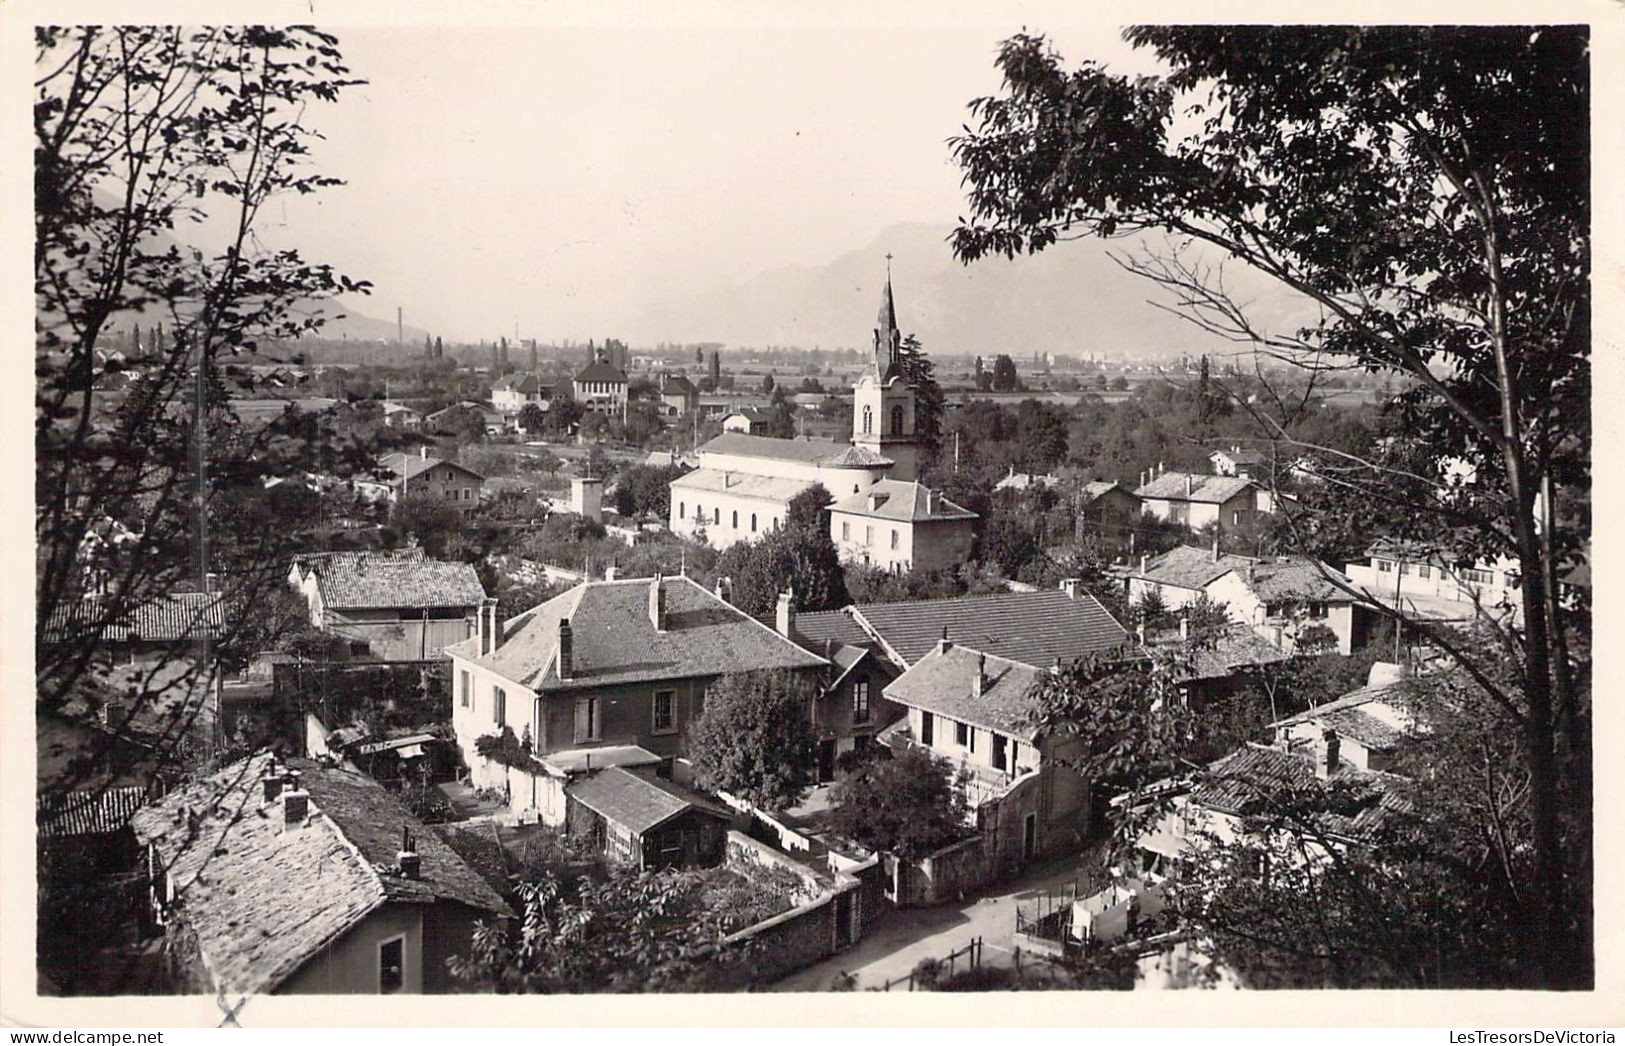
(883, 404)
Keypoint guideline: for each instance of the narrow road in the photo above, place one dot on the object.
(901, 938)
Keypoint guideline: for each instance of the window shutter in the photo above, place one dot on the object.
(583, 727)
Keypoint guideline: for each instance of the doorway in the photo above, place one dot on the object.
(826, 760)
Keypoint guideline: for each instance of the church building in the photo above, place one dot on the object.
(882, 516)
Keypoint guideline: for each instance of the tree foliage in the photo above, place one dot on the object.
(754, 737)
(907, 805)
(1372, 171)
(799, 557)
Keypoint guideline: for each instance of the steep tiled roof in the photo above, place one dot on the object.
(1034, 628)
(942, 683)
(1233, 649)
(263, 898)
(601, 371)
(368, 581)
(615, 641)
(741, 484)
(1252, 778)
(638, 803)
(901, 500)
(165, 619)
(806, 451)
(677, 385)
(1171, 486)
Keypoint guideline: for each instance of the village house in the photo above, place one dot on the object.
(390, 605)
(1371, 723)
(901, 526)
(678, 395)
(495, 421)
(1104, 503)
(300, 878)
(1195, 501)
(512, 393)
(752, 421)
(420, 476)
(601, 386)
(745, 481)
(1426, 583)
(852, 709)
(400, 416)
(1278, 597)
(1218, 663)
(1238, 461)
(1025, 480)
(608, 673)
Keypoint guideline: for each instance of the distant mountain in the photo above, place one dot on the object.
(1071, 298)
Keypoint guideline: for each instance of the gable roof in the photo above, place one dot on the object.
(1368, 715)
(1239, 456)
(374, 581)
(614, 641)
(901, 500)
(1096, 489)
(167, 618)
(264, 898)
(815, 627)
(741, 484)
(1232, 649)
(598, 370)
(1171, 486)
(1293, 577)
(1034, 628)
(805, 451)
(942, 683)
(677, 384)
(636, 802)
(406, 466)
(1189, 567)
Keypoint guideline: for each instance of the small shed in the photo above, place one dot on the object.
(646, 821)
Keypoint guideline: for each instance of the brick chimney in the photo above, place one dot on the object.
(657, 603)
(1326, 755)
(411, 864)
(566, 659)
(784, 618)
(978, 685)
(295, 807)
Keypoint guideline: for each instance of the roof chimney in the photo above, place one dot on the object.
(1184, 626)
(423, 452)
(411, 864)
(611, 572)
(945, 644)
(295, 806)
(1145, 561)
(930, 501)
(657, 603)
(724, 589)
(978, 685)
(1071, 586)
(566, 663)
(1190, 484)
(273, 782)
(784, 618)
(486, 625)
(1215, 545)
(1326, 755)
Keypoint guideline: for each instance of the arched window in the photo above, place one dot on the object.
(868, 420)
(753, 522)
(897, 420)
(716, 516)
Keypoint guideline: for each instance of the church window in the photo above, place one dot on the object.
(716, 516)
(897, 420)
(682, 509)
(868, 420)
(868, 535)
(753, 522)
(894, 539)
(736, 519)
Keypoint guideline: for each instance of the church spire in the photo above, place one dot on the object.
(888, 339)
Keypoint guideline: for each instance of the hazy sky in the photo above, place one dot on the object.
(565, 177)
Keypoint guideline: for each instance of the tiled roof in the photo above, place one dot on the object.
(1034, 628)
(1023, 480)
(942, 683)
(901, 500)
(1240, 457)
(1099, 488)
(1356, 715)
(264, 898)
(1170, 486)
(477, 843)
(676, 384)
(806, 451)
(1295, 577)
(741, 484)
(635, 802)
(93, 811)
(815, 627)
(168, 618)
(615, 641)
(1189, 567)
(371, 581)
(601, 371)
(1232, 649)
(1253, 778)
(751, 414)
(410, 465)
